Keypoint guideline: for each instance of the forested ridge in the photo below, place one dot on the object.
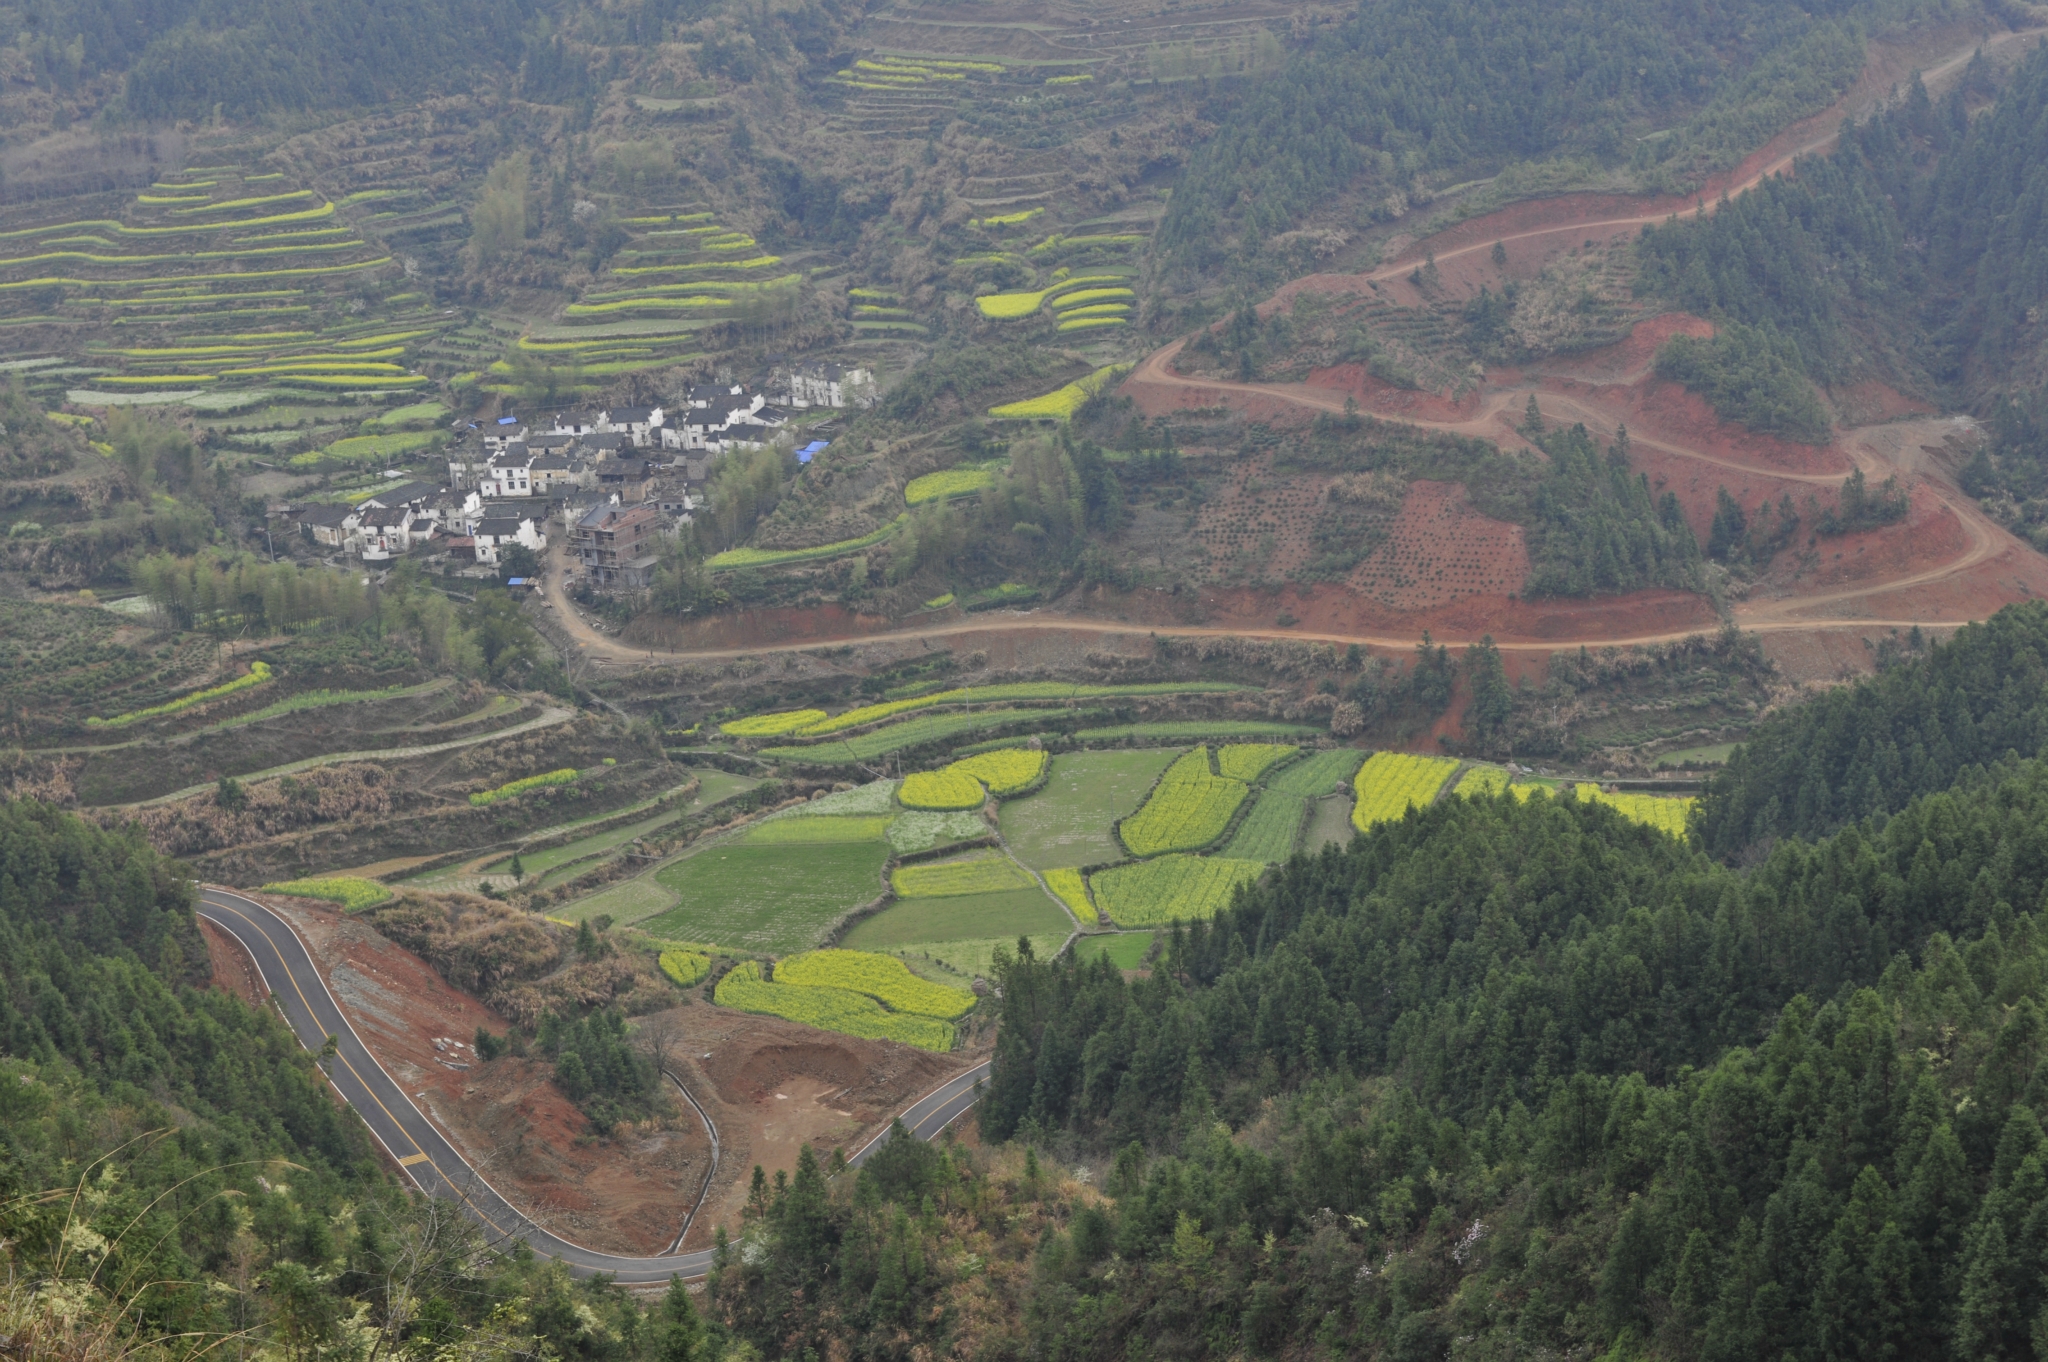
(243, 58)
(1866, 749)
(1405, 87)
(1912, 252)
(177, 1181)
(1523, 1075)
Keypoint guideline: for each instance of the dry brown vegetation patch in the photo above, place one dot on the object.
(204, 823)
(476, 943)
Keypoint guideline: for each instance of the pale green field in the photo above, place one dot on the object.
(768, 898)
(968, 917)
(627, 901)
(1125, 949)
(1068, 822)
(1714, 754)
(1331, 822)
(956, 962)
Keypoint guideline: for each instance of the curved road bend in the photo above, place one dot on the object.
(420, 1148)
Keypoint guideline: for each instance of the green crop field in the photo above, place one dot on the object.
(881, 977)
(539, 863)
(631, 900)
(1390, 782)
(1125, 950)
(1068, 822)
(1269, 832)
(958, 962)
(970, 916)
(1170, 888)
(1182, 730)
(957, 937)
(1187, 810)
(1482, 780)
(944, 879)
(828, 1009)
(817, 831)
(762, 898)
(715, 786)
(1318, 773)
(1714, 754)
(1248, 761)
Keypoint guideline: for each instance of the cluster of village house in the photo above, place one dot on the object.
(617, 479)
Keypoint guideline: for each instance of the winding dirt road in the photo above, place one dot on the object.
(1985, 539)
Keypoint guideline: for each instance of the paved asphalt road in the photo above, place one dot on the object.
(425, 1154)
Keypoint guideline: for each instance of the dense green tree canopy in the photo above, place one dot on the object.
(1529, 1074)
(1868, 748)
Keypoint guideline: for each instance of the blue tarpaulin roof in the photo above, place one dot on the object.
(816, 446)
(803, 456)
(508, 420)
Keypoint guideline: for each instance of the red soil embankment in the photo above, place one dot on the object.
(1382, 398)
(1334, 609)
(233, 971)
(626, 1193)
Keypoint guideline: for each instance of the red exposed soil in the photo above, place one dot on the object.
(233, 971)
(1656, 410)
(1327, 608)
(770, 1086)
(1871, 403)
(1440, 550)
(1383, 398)
(774, 1086)
(1930, 535)
(1625, 361)
(1695, 484)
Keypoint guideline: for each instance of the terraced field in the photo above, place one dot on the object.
(240, 294)
(1187, 810)
(679, 271)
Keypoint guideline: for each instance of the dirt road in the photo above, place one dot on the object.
(1985, 539)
